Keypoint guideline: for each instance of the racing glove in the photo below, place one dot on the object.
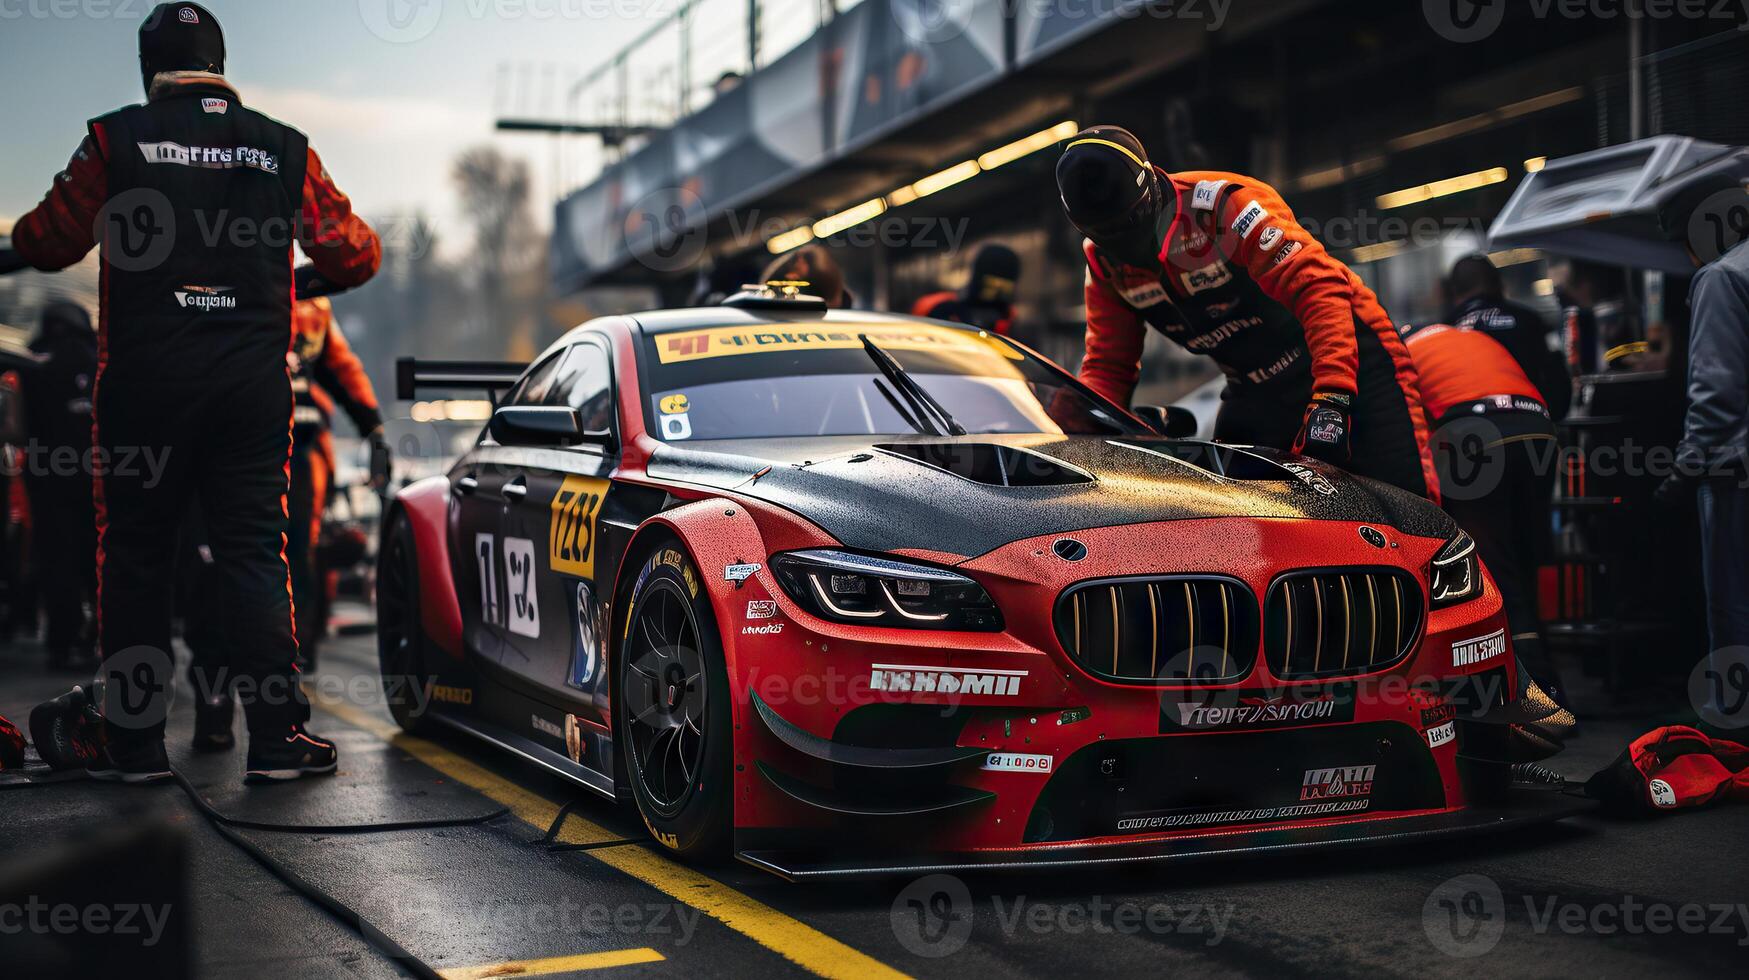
(382, 461)
(1328, 428)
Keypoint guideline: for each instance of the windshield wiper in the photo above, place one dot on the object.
(925, 405)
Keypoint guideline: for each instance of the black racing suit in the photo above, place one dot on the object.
(196, 200)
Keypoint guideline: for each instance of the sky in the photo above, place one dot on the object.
(389, 91)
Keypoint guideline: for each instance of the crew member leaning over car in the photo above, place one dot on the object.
(197, 200)
(1217, 263)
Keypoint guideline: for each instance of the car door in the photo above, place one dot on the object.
(549, 531)
(483, 484)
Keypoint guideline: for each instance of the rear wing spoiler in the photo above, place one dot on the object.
(413, 375)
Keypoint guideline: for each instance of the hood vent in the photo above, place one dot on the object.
(990, 464)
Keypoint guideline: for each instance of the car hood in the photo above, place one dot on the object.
(970, 495)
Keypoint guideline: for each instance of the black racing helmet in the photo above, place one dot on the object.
(180, 37)
(995, 273)
(1112, 193)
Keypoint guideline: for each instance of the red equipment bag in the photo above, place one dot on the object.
(11, 745)
(1671, 769)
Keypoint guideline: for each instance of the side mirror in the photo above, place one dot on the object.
(1171, 421)
(524, 425)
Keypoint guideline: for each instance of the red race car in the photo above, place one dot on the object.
(846, 592)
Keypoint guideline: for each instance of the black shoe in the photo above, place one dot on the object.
(289, 756)
(212, 724)
(132, 761)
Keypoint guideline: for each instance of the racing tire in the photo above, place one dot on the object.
(672, 708)
(401, 640)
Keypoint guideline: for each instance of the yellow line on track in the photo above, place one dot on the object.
(557, 964)
(796, 941)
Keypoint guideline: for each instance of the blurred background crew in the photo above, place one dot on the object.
(193, 337)
(57, 417)
(325, 373)
(1495, 447)
(816, 267)
(1217, 262)
(986, 300)
(1477, 298)
(1712, 461)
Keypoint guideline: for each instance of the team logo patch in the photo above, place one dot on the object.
(1248, 220)
(1270, 238)
(943, 680)
(1206, 278)
(1207, 191)
(1012, 762)
(1288, 251)
(205, 298)
(1144, 295)
(1337, 783)
(1465, 653)
(1440, 734)
(1662, 793)
(187, 15)
(761, 608)
(214, 106)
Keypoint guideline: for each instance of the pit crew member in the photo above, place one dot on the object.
(194, 327)
(1217, 262)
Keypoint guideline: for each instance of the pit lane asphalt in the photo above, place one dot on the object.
(484, 897)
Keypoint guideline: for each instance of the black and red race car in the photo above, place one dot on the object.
(845, 592)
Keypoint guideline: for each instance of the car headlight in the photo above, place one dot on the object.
(1457, 572)
(863, 590)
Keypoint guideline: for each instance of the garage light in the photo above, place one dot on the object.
(1373, 253)
(1514, 256)
(848, 218)
(1442, 188)
(794, 238)
(1028, 144)
(1534, 164)
(940, 180)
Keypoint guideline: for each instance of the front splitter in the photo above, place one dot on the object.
(1521, 809)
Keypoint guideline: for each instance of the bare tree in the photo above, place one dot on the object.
(495, 191)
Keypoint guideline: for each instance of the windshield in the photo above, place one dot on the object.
(770, 382)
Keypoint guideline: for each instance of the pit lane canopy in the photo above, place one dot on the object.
(1603, 205)
(867, 72)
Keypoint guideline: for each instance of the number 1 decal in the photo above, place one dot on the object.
(519, 578)
(484, 553)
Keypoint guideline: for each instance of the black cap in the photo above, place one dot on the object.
(995, 269)
(180, 37)
(1103, 176)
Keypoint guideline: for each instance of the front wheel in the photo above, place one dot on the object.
(673, 708)
(400, 633)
